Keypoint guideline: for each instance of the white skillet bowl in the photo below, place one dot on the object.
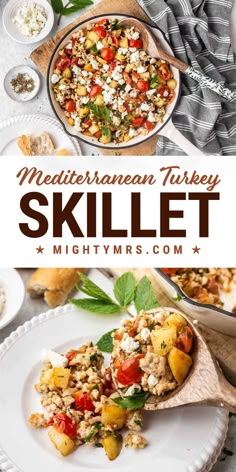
(60, 113)
(13, 30)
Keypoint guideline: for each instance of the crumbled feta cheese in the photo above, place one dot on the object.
(63, 87)
(77, 124)
(151, 117)
(123, 114)
(84, 73)
(82, 39)
(133, 50)
(145, 106)
(152, 381)
(85, 100)
(141, 69)
(54, 79)
(145, 334)
(116, 75)
(151, 92)
(94, 64)
(135, 35)
(132, 132)
(108, 80)
(129, 345)
(121, 81)
(106, 67)
(75, 70)
(152, 61)
(54, 358)
(69, 46)
(133, 93)
(119, 68)
(98, 81)
(165, 93)
(99, 45)
(134, 57)
(132, 390)
(128, 88)
(30, 19)
(108, 95)
(122, 51)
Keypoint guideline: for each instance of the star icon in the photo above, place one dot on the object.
(196, 249)
(39, 250)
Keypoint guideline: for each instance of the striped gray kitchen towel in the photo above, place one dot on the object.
(198, 31)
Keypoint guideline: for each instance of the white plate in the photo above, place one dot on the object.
(13, 30)
(11, 129)
(13, 287)
(180, 440)
(12, 74)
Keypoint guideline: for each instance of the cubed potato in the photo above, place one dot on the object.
(180, 364)
(113, 415)
(175, 320)
(89, 44)
(114, 84)
(67, 73)
(71, 122)
(163, 340)
(161, 81)
(126, 138)
(117, 33)
(112, 445)
(128, 68)
(84, 111)
(99, 100)
(87, 133)
(145, 75)
(47, 377)
(123, 43)
(81, 91)
(102, 61)
(93, 36)
(105, 139)
(172, 84)
(88, 67)
(160, 103)
(151, 69)
(61, 441)
(61, 377)
(120, 57)
(94, 129)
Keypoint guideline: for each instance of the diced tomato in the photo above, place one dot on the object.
(137, 122)
(135, 43)
(127, 78)
(171, 97)
(164, 91)
(164, 72)
(88, 122)
(68, 52)
(64, 63)
(103, 21)
(148, 125)
(169, 272)
(129, 371)
(98, 134)
(116, 363)
(83, 402)
(64, 424)
(185, 340)
(118, 336)
(135, 76)
(100, 31)
(95, 90)
(71, 354)
(141, 98)
(107, 54)
(109, 386)
(70, 106)
(74, 61)
(127, 106)
(142, 85)
(115, 41)
(112, 66)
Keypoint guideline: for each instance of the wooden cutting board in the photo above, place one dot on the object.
(222, 346)
(42, 54)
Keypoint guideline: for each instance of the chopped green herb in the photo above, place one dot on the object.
(138, 422)
(98, 445)
(106, 131)
(135, 401)
(177, 298)
(95, 428)
(94, 48)
(105, 343)
(154, 81)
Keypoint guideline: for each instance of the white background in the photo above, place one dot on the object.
(20, 251)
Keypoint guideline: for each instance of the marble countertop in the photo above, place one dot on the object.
(30, 308)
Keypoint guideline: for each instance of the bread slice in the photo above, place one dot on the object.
(54, 284)
(41, 145)
(62, 152)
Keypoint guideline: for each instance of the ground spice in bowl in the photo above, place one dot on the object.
(23, 83)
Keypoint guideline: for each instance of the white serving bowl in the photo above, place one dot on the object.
(14, 289)
(13, 30)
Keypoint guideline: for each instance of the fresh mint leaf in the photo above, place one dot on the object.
(154, 81)
(115, 25)
(145, 297)
(76, 6)
(124, 289)
(106, 131)
(96, 306)
(177, 298)
(92, 290)
(57, 5)
(94, 48)
(95, 109)
(106, 114)
(81, 3)
(105, 343)
(135, 401)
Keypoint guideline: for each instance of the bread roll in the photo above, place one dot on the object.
(54, 284)
(40, 145)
